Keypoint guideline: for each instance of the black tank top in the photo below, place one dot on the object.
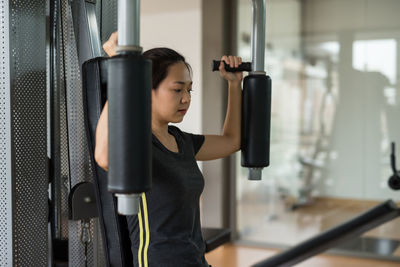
(167, 231)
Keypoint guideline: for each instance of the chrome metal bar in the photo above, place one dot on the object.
(258, 36)
(128, 204)
(128, 41)
(128, 22)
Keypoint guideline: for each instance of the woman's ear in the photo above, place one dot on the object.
(153, 92)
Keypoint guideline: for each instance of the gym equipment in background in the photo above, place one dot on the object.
(394, 180)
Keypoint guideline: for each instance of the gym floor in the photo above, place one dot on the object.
(278, 224)
(240, 256)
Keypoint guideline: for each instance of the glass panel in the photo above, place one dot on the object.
(335, 109)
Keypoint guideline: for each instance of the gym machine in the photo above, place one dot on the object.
(85, 227)
(256, 100)
(131, 157)
(125, 80)
(129, 95)
(255, 142)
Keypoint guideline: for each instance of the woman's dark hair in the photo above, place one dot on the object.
(162, 59)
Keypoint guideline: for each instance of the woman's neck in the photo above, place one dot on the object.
(159, 129)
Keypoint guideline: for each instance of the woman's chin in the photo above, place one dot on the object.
(177, 120)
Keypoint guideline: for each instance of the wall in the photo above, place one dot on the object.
(177, 24)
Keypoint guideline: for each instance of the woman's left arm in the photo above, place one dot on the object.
(221, 146)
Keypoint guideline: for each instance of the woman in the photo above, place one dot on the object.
(167, 231)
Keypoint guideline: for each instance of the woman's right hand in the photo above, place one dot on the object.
(111, 44)
(101, 149)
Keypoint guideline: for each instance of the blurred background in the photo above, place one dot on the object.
(335, 106)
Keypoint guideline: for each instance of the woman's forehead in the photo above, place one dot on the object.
(189, 82)
(179, 73)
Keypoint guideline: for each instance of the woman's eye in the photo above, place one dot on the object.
(180, 90)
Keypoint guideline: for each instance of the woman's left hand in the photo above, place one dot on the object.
(234, 62)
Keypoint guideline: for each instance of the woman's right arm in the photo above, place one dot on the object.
(101, 149)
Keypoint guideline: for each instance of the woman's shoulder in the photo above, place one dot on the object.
(175, 129)
(196, 140)
(178, 131)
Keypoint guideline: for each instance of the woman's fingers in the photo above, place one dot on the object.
(222, 68)
(225, 59)
(110, 45)
(114, 38)
(236, 62)
(231, 61)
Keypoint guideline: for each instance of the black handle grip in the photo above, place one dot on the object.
(245, 66)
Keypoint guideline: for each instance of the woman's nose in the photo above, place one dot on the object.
(186, 97)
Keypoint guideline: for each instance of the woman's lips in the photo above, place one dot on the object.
(182, 111)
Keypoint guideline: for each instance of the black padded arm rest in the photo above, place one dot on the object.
(215, 237)
(114, 230)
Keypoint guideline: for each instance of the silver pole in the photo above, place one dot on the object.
(128, 204)
(128, 40)
(258, 36)
(258, 54)
(128, 23)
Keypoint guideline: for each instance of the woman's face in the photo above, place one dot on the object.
(171, 100)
